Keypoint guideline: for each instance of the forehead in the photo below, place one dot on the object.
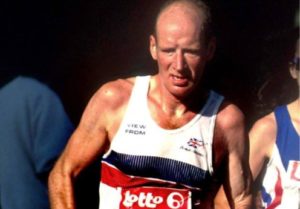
(182, 16)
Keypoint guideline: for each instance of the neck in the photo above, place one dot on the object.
(297, 107)
(174, 106)
(294, 109)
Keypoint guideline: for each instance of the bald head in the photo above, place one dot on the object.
(195, 12)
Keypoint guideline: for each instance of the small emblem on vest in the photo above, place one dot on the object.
(193, 142)
(193, 145)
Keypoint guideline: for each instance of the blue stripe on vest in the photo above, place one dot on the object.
(287, 138)
(160, 168)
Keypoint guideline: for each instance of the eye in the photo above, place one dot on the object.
(193, 52)
(168, 51)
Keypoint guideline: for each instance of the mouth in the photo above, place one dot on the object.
(179, 80)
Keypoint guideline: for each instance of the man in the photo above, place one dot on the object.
(274, 152)
(167, 143)
(34, 130)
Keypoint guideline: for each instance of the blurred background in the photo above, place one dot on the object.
(75, 46)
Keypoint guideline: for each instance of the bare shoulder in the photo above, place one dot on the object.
(229, 117)
(264, 130)
(105, 108)
(114, 93)
(266, 124)
(229, 129)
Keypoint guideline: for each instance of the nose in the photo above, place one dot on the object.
(180, 61)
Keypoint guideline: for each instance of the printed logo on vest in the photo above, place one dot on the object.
(135, 129)
(155, 197)
(294, 172)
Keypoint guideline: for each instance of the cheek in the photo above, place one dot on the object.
(197, 67)
(296, 75)
(195, 61)
(164, 62)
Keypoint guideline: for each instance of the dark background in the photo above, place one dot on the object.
(75, 46)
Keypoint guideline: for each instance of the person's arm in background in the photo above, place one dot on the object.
(34, 131)
(220, 201)
(51, 129)
(262, 138)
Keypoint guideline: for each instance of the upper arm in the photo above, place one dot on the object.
(230, 121)
(92, 136)
(262, 137)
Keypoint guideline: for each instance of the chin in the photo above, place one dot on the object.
(181, 92)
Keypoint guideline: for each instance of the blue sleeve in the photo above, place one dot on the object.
(34, 129)
(50, 127)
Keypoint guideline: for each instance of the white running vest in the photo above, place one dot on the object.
(151, 167)
(281, 183)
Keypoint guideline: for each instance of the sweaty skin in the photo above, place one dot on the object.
(181, 58)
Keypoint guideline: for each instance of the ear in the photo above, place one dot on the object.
(294, 73)
(153, 47)
(211, 48)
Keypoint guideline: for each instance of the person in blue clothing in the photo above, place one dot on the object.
(274, 152)
(34, 129)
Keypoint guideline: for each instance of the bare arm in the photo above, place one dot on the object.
(220, 201)
(89, 140)
(237, 183)
(262, 138)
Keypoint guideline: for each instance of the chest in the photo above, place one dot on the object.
(142, 148)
